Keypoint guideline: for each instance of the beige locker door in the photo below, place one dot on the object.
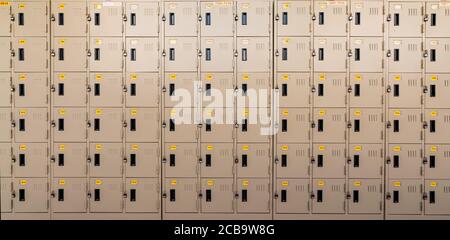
(437, 197)
(106, 54)
(142, 90)
(5, 195)
(328, 196)
(30, 19)
(405, 90)
(69, 124)
(294, 89)
(366, 196)
(437, 128)
(142, 19)
(293, 125)
(217, 160)
(142, 125)
(329, 125)
(180, 160)
(293, 54)
(254, 18)
(438, 17)
(289, 14)
(367, 54)
(404, 197)
(106, 195)
(217, 195)
(253, 195)
(405, 55)
(5, 159)
(329, 161)
(181, 195)
(180, 18)
(180, 89)
(30, 160)
(254, 91)
(438, 91)
(367, 89)
(292, 196)
(5, 16)
(367, 18)
(253, 54)
(69, 195)
(404, 161)
(215, 87)
(142, 160)
(215, 127)
(142, 195)
(106, 90)
(217, 54)
(69, 18)
(330, 19)
(31, 125)
(293, 160)
(31, 195)
(330, 90)
(105, 124)
(142, 54)
(250, 127)
(105, 18)
(217, 18)
(253, 161)
(5, 51)
(30, 54)
(181, 54)
(179, 126)
(69, 89)
(330, 54)
(438, 55)
(437, 161)
(367, 125)
(404, 126)
(30, 89)
(5, 124)
(405, 19)
(365, 161)
(69, 159)
(105, 160)
(69, 54)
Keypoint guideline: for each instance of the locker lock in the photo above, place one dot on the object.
(164, 160)
(348, 195)
(313, 160)
(349, 160)
(313, 17)
(89, 159)
(313, 125)
(89, 53)
(388, 196)
(125, 160)
(425, 160)
(88, 88)
(199, 125)
(350, 17)
(52, 18)
(349, 124)
(89, 195)
(425, 196)
(13, 54)
(199, 53)
(124, 195)
(277, 17)
(388, 160)
(163, 53)
(200, 195)
(236, 195)
(125, 53)
(52, 194)
(88, 18)
(13, 194)
(388, 18)
(200, 18)
(388, 53)
(312, 196)
(276, 160)
(275, 195)
(313, 53)
(388, 124)
(13, 124)
(13, 88)
(88, 124)
(163, 89)
(425, 125)
(124, 88)
(13, 159)
(52, 53)
(236, 18)
(236, 54)
(163, 18)
(236, 160)
(53, 124)
(164, 195)
(124, 18)
(236, 125)
(277, 53)
(164, 124)
(124, 124)
(425, 53)
(388, 89)
(12, 18)
(313, 89)
(349, 89)
(350, 53)
(52, 88)
(425, 89)
(425, 18)
(200, 160)
(52, 159)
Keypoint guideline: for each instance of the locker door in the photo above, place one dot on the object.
(405, 90)
(253, 160)
(254, 91)
(30, 90)
(178, 125)
(404, 197)
(217, 196)
(5, 51)
(367, 89)
(105, 124)
(181, 195)
(5, 195)
(294, 89)
(142, 90)
(5, 15)
(253, 195)
(253, 18)
(105, 54)
(330, 90)
(217, 18)
(5, 124)
(142, 19)
(180, 160)
(253, 54)
(289, 14)
(292, 196)
(405, 55)
(31, 125)
(293, 160)
(105, 19)
(142, 160)
(142, 55)
(293, 54)
(142, 125)
(217, 160)
(217, 54)
(215, 127)
(69, 89)
(180, 89)
(329, 125)
(366, 196)
(105, 160)
(31, 195)
(404, 161)
(106, 90)
(30, 18)
(30, 54)
(367, 54)
(69, 160)
(438, 196)
(5, 159)
(69, 124)
(293, 125)
(404, 126)
(106, 195)
(215, 87)
(69, 195)
(328, 196)
(328, 161)
(438, 55)
(437, 161)
(250, 126)
(181, 54)
(180, 18)
(367, 18)
(367, 125)
(437, 15)
(69, 54)
(365, 161)
(437, 128)
(405, 19)
(142, 195)
(69, 18)
(330, 54)
(330, 18)
(438, 91)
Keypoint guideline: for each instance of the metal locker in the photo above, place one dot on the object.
(330, 89)
(5, 160)
(253, 18)
(435, 18)
(180, 18)
(181, 195)
(142, 19)
(289, 14)
(328, 196)
(366, 125)
(437, 197)
(404, 126)
(366, 18)
(179, 126)
(181, 54)
(69, 195)
(251, 126)
(5, 195)
(436, 161)
(405, 19)
(330, 18)
(215, 126)
(253, 160)
(105, 195)
(105, 160)
(5, 124)
(217, 160)
(69, 159)
(329, 125)
(31, 125)
(105, 18)
(366, 54)
(69, 89)
(217, 18)
(142, 125)
(105, 124)
(217, 54)
(293, 125)
(293, 89)
(330, 54)
(180, 160)
(69, 54)
(404, 197)
(142, 90)
(254, 90)
(30, 18)
(69, 124)
(253, 195)
(437, 123)
(365, 161)
(438, 55)
(105, 54)
(5, 17)
(30, 195)
(180, 89)
(142, 54)
(5, 51)
(69, 18)
(253, 54)
(142, 160)
(366, 90)
(293, 54)
(366, 196)
(437, 91)
(215, 87)
(328, 161)
(405, 90)
(30, 89)
(142, 195)
(404, 161)
(292, 160)
(405, 55)
(217, 195)
(292, 196)
(30, 54)
(106, 90)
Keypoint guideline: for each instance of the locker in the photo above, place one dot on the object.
(5, 159)
(5, 50)
(437, 91)
(180, 89)
(69, 195)
(142, 54)
(437, 197)
(365, 161)
(105, 195)
(30, 54)
(405, 55)
(142, 125)
(253, 195)
(217, 18)
(5, 15)
(289, 14)
(292, 196)
(435, 18)
(180, 18)
(217, 160)
(254, 90)
(329, 125)
(142, 90)
(5, 124)
(252, 126)
(404, 126)
(253, 160)
(293, 125)
(366, 54)
(69, 159)
(366, 125)
(437, 126)
(69, 124)
(69, 18)
(180, 160)
(404, 197)
(436, 161)
(330, 89)
(215, 87)
(105, 124)
(69, 54)
(105, 18)
(142, 195)
(293, 54)
(293, 89)
(105, 54)
(69, 89)
(142, 19)
(217, 54)
(105, 160)
(217, 195)
(106, 90)
(180, 54)
(181, 195)
(330, 18)
(292, 160)
(30, 90)
(179, 126)
(5, 195)
(30, 195)
(438, 50)
(253, 54)
(404, 161)
(366, 89)
(253, 18)
(328, 196)
(366, 18)
(31, 125)
(217, 125)
(142, 160)
(366, 196)
(405, 19)
(30, 19)
(329, 161)
(330, 54)
(405, 90)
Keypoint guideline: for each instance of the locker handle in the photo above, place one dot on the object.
(432, 55)
(321, 18)
(321, 54)
(171, 18)
(244, 18)
(433, 19)
(358, 18)
(97, 19)
(21, 17)
(21, 54)
(133, 19)
(60, 19)
(208, 19)
(284, 19)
